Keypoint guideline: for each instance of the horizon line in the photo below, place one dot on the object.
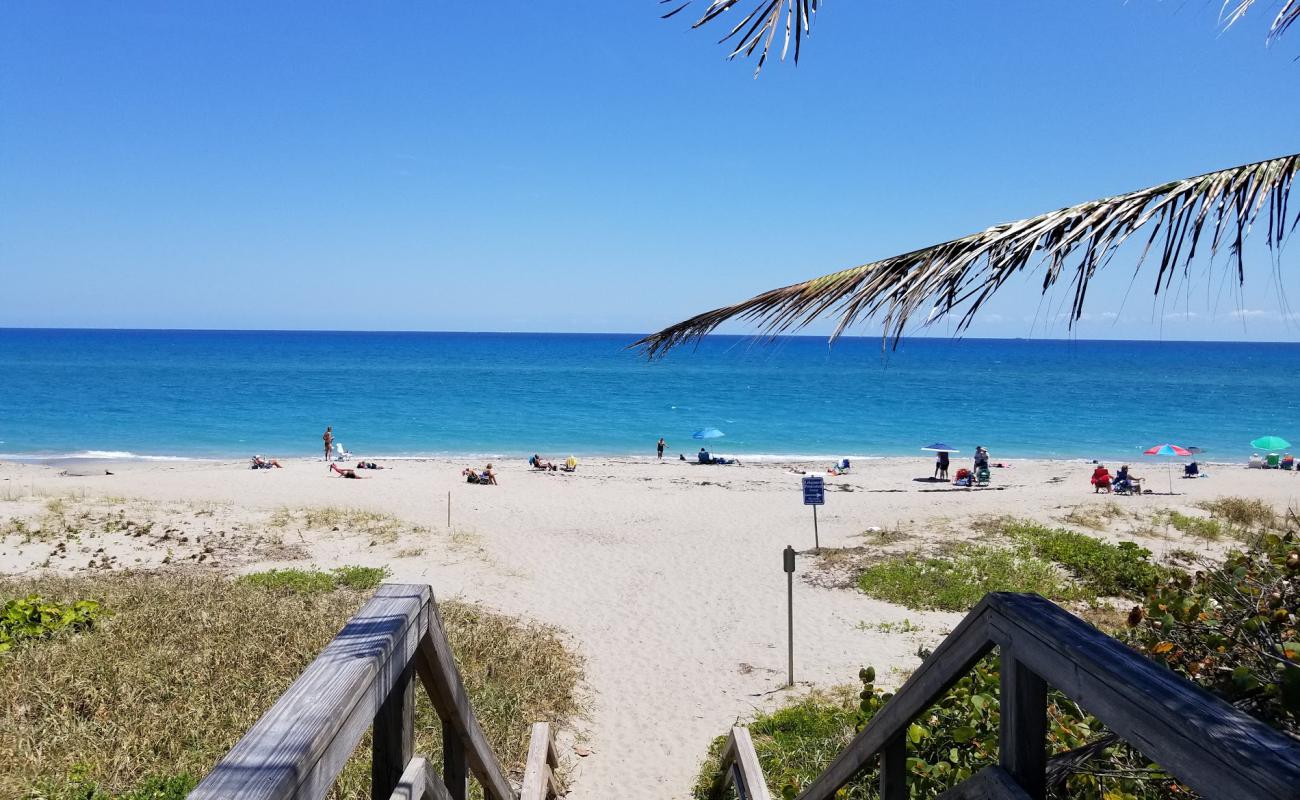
(758, 337)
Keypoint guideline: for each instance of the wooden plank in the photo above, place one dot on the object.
(455, 772)
(727, 768)
(537, 767)
(437, 670)
(1210, 746)
(751, 771)
(990, 783)
(419, 782)
(553, 781)
(300, 745)
(393, 737)
(1022, 731)
(893, 769)
(952, 659)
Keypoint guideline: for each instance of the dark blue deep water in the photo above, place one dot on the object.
(224, 393)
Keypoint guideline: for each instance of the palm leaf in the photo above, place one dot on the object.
(957, 277)
(758, 28)
(1234, 10)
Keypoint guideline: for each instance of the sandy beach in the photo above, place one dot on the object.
(665, 576)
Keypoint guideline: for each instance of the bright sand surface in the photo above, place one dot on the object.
(666, 577)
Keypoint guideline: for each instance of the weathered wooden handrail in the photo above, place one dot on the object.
(1202, 741)
(740, 768)
(366, 676)
(540, 781)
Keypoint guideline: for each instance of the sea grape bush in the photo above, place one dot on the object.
(1123, 569)
(34, 617)
(1233, 629)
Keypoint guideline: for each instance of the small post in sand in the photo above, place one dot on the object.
(448, 510)
(788, 563)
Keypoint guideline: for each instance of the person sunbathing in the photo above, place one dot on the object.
(266, 463)
(344, 473)
(368, 465)
(470, 474)
(488, 476)
(536, 462)
(570, 464)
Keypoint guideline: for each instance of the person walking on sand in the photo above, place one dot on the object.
(329, 441)
(660, 448)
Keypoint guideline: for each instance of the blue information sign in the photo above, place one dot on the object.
(814, 491)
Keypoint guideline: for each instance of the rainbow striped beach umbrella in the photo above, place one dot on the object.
(1168, 450)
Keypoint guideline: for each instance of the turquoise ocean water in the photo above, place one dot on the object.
(224, 393)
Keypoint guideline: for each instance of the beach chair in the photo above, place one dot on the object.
(982, 475)
(1274, 461)
(341, 453)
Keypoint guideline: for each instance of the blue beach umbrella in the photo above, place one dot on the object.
(940, 447)
(707, 433)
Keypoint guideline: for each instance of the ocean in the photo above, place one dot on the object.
(198, 394)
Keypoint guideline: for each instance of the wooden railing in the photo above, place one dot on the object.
(1205, 743)
(740, 768)
(365, 678)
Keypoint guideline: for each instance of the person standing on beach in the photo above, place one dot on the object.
(329, 441)
(660, 448)
(941, 466)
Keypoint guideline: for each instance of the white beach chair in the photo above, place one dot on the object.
(341, 453)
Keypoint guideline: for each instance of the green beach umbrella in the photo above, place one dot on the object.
(1270, 443)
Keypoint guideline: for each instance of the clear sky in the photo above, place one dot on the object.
(585, 166)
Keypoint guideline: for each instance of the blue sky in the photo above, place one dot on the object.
(585, 166)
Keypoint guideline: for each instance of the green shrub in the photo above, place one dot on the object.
(314, 581)
(1207, 529)
(1234, 629)
(957, 582)
(33, 617)
(1104, 568)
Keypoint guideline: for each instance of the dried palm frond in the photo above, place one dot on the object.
(959, 276)
(759, 25)
(1234, 10)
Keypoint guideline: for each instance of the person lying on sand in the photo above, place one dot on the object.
(346, 473)
(265, 463)
(368, 465)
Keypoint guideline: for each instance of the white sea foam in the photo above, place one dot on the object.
(90, 455)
